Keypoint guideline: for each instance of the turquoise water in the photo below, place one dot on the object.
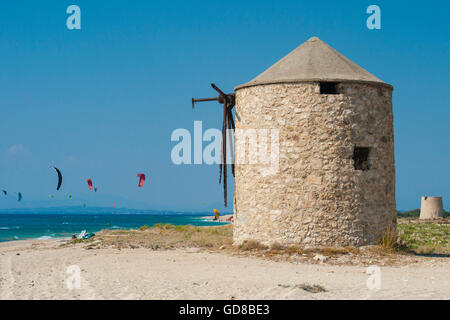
(28, 225)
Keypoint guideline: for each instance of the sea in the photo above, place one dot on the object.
(29, 225)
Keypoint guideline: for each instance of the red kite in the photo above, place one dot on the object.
(89, 181)
(141, 179)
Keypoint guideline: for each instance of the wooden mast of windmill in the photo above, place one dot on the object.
(228, 102)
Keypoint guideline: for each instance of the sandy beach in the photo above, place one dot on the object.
(36, 269)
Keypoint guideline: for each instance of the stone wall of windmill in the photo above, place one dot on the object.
(335, 183)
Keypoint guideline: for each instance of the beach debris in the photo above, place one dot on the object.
(88, 236)
(19, 196)
(305, 286)
(82, 234)
(141, 179)
(59, 178)
(228, 101)
(315, 288)
(89, 182)
(216, 214)
(319, 257)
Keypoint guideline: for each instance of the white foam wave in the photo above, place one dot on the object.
(45, 238)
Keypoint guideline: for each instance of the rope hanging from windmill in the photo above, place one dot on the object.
(228, 102)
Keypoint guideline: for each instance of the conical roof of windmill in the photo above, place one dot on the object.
(314, 60)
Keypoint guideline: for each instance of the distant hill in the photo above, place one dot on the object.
(94, 210)
(110, 210)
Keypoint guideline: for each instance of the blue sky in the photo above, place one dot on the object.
(102, 102)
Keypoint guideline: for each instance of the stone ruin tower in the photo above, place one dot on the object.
(335, 181)
(431, 208)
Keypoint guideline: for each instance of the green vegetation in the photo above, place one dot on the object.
(411, 236)
(416, 214)
(167, 236)
(425, 237)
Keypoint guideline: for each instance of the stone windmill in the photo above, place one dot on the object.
(334, 183)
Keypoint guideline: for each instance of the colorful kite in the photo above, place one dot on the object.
(141, 179)
(89, 181)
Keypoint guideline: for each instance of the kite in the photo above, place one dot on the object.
(19, 197)
(89, 181)
(141, 179)
(59, 178)
(4, 191)
(95, 189)
(70, 196)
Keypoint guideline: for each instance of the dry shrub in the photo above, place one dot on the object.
(292, 249)
(336, 251)
(167, 236)
(276, 246)
(248, 245)
(389, 239)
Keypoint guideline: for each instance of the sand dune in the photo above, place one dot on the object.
(36, 269)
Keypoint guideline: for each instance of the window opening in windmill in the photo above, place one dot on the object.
(328, 87)
(361, 158)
